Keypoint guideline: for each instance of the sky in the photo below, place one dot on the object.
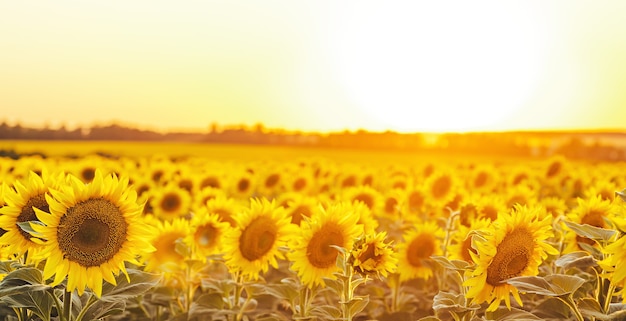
(407, 66)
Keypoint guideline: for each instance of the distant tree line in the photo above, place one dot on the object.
(579, 145)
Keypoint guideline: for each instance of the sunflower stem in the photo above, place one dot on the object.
(67, 305)
(569, 301)
(346, 295)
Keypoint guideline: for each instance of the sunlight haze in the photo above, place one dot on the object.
(315, 65)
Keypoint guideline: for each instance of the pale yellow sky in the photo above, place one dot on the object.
(315, 65)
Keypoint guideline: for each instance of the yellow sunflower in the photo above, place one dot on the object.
(489, 206)
(522, 194)
(615, 261)
(225, 207)
(253, 245)
(370, 255)
(20, 203)
(554, 205)
(366, 195)
(461, 242)
(207, 233)
(301, 206)
(440, 188)
(200, 198)
(418, 245)
(593, 211)
(514, 246)
(311, 252)
(170, 201)
(482, 179)
(243, 184)
(91, 231)
(165, 259)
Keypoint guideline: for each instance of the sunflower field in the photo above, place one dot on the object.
(172, 237)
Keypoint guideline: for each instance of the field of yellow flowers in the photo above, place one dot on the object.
(123, 232)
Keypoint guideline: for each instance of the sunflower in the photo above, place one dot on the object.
(489, 206)
(602, 188)
(366, 218)
(554, 205)
(554, 169)
(243, 184)
(170, 201)
(200, 198)
(440, 188)
(20, 203)
(615, 261)
(225, 207)
(482, 179)
(522, 194)
(166, 259)
(91, 231)
(370, 255)
(301, 206)
(270, 183)
(207, 233)
(515, 245)
(366, 195)
(419, 244)
(461, 242)
(593, 211)
(311, 252)
(393, 202)
(253, 245)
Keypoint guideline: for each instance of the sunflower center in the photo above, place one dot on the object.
(365, 198)
(206, 235)
(225, 216)
(186, 184)
(512, 256)
(370, 254)
(88, 174)
(390, 205)
(299, 213)
(210, 182)
(243, 185)
(420, 249)
(466, 248)
(441, 187)
(272, 180)
(28, 214)
(319, 251)
(171, 202)
(416, 200)
(92, 232)
(481, 179)
(490, 212)
(258, 238)
(349, 181)
(299, 184)
(553, 169)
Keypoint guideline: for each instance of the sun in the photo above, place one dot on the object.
(435, 67)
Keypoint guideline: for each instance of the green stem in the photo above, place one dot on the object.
(346, 295)
(67, 306)
(395, 291)
(572, 305)
(92, 299)
(304, 301)
(608, 298)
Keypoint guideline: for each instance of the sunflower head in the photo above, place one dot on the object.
(170, 202)
(255, 242)
(206, 234)
(418, 245)
(370, 255)
(593, 211)
(91, 231)
(514, 245)
(312, 255)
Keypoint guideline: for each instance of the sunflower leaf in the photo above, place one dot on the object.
(27, 226)
(552, 308)
(102, 309)
(591, 308)
(503, 313)
(140, 282)
(429, 318)
(326, 312)
(456, 265)
(621, 194)
(591, 232)
(358, 304)
(578, 259)
(551, 285)
(450, 302)
(22, 276)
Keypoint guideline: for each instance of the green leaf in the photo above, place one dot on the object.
(502, 314)
(621, 194)
(140, 282)
(283, 291)
(552, 308)
(23, 280)
(551, 285)
(358, 304)
(102, 309)
(38, 302)
(429, 318)
(590, 308)
(578, 259)
(219, 286)
(6, 267)
(450, 302)
(457, 265)
(591, 232)
(326, 312)
(27, 227)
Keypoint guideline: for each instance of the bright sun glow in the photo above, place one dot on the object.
(434, 66)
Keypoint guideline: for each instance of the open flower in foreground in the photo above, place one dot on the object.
(515, 246)
(91, 231)
(254, 244)
(312, 255)
(370, 255)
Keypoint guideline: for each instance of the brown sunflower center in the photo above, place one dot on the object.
(171, 202)
(88, 174)
(512, 256)
(420, 249)
(299, 184)
(210, 182)
(28, 214)
(390, 205)
(553, 169)
(272, 180)
(225, 215)
(416, 200)
(481, 179)
(299, 212)
(441, 186)
(466, 247)
(206, 236)
(186, 184)
(243, 185)
(319, 251)
(367, 199)
(258, 238)
(92, 232)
